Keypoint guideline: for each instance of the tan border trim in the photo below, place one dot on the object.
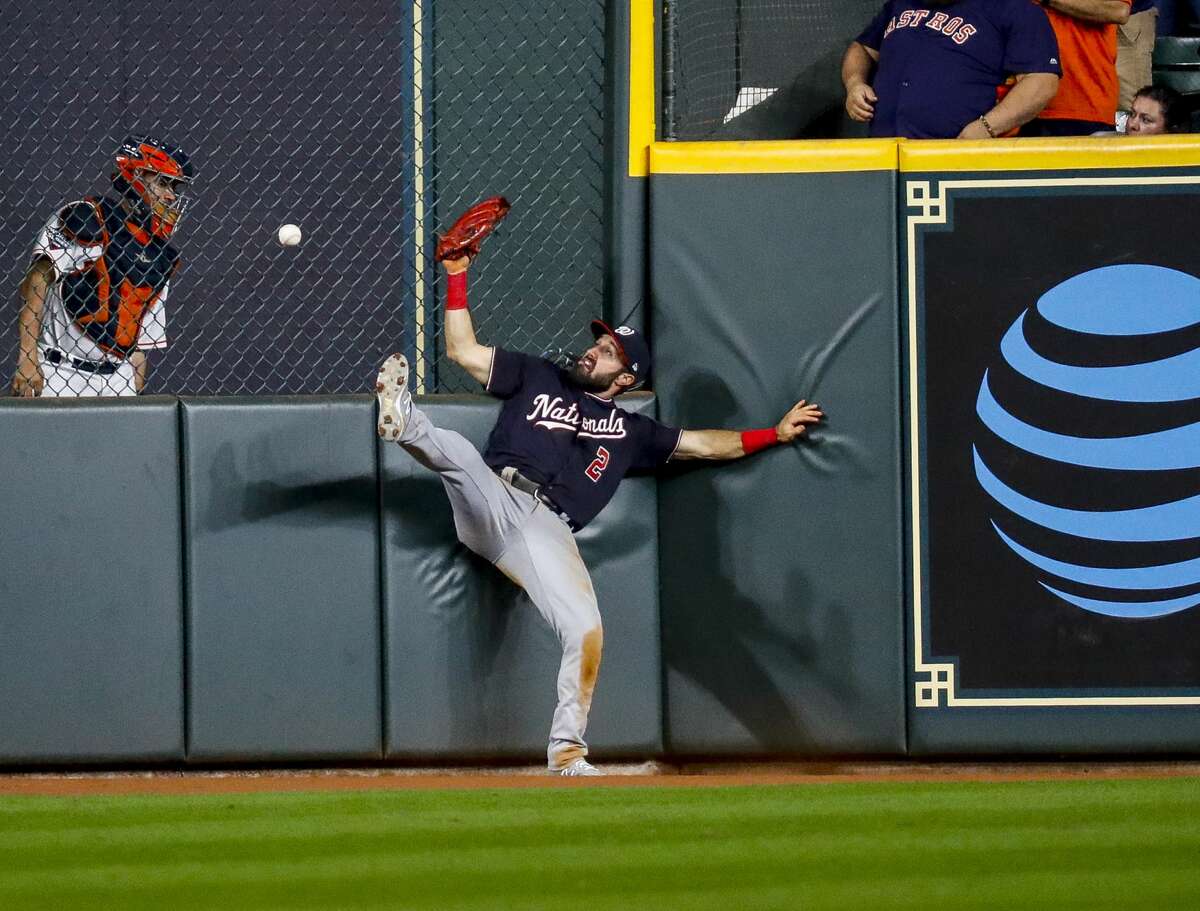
(1084, 153)
(800, 157)
(927, 202)
(641, 85)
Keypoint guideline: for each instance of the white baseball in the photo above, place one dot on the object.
(289, 235)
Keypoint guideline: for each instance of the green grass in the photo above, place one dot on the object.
(1069, 844)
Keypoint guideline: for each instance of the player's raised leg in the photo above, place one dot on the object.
(508, 527)
(395, 402)
(486, 510)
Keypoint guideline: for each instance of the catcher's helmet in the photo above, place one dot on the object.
(139, 156)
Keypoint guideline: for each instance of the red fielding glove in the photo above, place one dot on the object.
(471, 229)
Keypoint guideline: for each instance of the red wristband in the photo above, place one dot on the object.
(754, 440)
(456, 291)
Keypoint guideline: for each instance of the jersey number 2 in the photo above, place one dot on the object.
(598, 464)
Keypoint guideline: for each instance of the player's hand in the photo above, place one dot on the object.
(454, 266)
(860, 102)
(28, 381)
(801, 416)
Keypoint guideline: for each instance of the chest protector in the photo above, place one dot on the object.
(109, 297)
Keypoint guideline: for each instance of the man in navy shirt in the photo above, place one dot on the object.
(558, 451)
(941, 64)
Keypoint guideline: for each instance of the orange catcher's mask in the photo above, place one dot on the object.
(154, 177)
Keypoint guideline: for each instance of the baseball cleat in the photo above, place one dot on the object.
(391, 391)
(580, 767)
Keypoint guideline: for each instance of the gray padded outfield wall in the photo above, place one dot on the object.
(91, 587)
(257, 579)
(780, 575)
(471, 666)
(236, 613)
(284, 647)
(1055, 603)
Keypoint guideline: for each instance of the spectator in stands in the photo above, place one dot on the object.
(1087, 95)
(1135, 51)
(940, 63)
(1157, 109)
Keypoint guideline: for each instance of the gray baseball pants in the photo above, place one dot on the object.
(532, 546)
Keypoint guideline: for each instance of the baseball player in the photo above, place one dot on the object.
(94, 294)
(941, 68)
(559, 448)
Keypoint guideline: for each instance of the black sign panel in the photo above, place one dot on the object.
(1058, 403)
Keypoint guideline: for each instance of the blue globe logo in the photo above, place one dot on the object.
(1089, 446)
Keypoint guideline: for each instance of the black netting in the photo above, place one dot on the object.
(726, 56)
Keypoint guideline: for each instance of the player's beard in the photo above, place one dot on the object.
(596, 382)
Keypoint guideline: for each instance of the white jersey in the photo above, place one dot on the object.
(71, 256)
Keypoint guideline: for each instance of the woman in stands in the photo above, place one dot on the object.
(1157, 109)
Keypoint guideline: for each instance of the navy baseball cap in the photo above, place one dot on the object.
(635, 353)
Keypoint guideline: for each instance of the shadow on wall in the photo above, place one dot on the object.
(238, 500)
(454, 616)
(461, 637)
(451, 622)
(762, 658)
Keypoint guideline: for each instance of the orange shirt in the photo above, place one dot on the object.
(1088, 89)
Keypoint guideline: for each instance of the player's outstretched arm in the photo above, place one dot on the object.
(461, 345)
(733, 444)
(28, 380)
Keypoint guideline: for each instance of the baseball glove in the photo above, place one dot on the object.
(473, 226)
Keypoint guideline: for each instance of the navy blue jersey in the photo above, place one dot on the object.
(940, 66)
(576, 445)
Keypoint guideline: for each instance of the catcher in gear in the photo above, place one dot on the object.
(558, 452)
(93, 297)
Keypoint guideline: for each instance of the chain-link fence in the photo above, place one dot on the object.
(367, 123)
